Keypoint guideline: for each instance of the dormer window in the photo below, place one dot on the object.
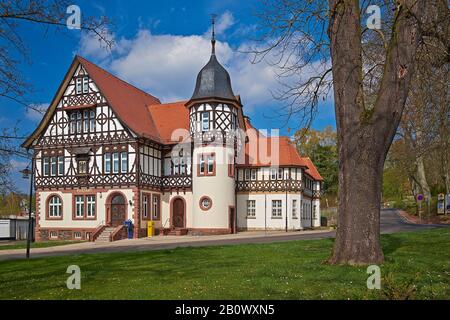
(205, 121)
(78, 85)
(85, 85)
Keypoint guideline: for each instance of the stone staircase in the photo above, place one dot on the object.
(105, 235)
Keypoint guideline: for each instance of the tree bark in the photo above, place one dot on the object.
(365, 133)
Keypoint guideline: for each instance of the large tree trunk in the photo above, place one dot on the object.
(365, 133)
(360, 182)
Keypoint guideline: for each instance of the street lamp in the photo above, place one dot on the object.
(27, 173)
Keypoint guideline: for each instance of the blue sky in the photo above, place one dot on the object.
(159, 47)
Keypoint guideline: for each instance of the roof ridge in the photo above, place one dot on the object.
(117, 78)
(166, 103)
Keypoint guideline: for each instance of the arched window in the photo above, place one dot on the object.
(54, 207)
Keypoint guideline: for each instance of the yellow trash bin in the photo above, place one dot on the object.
(150, 225)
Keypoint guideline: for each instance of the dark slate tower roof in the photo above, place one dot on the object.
(213, 81)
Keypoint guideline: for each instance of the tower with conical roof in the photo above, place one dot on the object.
(214, 114)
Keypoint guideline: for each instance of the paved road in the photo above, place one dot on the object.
(391, 222)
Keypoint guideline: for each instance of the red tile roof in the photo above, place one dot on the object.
(312, 170)
(147, 117)
(128, 102)
(168, 117)
(259, 153)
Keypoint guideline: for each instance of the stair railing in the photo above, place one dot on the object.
(98, 230)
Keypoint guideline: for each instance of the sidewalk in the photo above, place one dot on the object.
(166, 242)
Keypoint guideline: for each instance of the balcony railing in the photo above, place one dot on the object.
(176, 181)
(269, 185)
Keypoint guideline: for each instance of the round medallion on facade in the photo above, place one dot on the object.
(205, 203)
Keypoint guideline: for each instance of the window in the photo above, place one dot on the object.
(60, 166)
(90, 204)
(304, 211)
(231, 167)
(115, 160)
(86, 121)
(78, 85)
(77, 235)
(205, 203)
(314, 212)
(73, 123)
(273, 174)
(54, 234)
(253, 174)
(123, 162)
(211, 164)
(82, 121)
(207, 165)
(79, 123)
(251, 208)
(176, 166)
(85, 207)
(294, 208)
(276, 208)
(155, 208)
(145, 206)
(83, 166)
(280, 174)
(54, 207)
(205, 121)
(247, 174)
(53, 166)
(85, 85)
(107, 160)
(79, 207)
(46, 166)
(92, 121)
(202, 168)
(182, 166)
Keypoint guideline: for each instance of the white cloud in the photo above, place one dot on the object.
(91, 45)
(223, 23)
(167, 65)
(35, 112)
(17, 165)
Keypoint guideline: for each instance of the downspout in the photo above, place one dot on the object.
(265, 214)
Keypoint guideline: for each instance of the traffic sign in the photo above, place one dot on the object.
(419, 197)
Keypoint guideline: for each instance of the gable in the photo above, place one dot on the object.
(128, 103)
(82, 115)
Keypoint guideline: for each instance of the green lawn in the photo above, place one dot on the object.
(42, 244)
(417, 267)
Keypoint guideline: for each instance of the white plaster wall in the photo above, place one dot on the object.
(220, 188)
(67, 198)
(263, 218)
(166, 199)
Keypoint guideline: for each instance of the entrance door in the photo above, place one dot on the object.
(232, 220)
(178, 213)
(117, 210)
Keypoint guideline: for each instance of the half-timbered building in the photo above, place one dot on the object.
(106, 151)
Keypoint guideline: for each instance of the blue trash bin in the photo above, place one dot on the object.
(129, 225)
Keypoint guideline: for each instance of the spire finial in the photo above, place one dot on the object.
(213, 37)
